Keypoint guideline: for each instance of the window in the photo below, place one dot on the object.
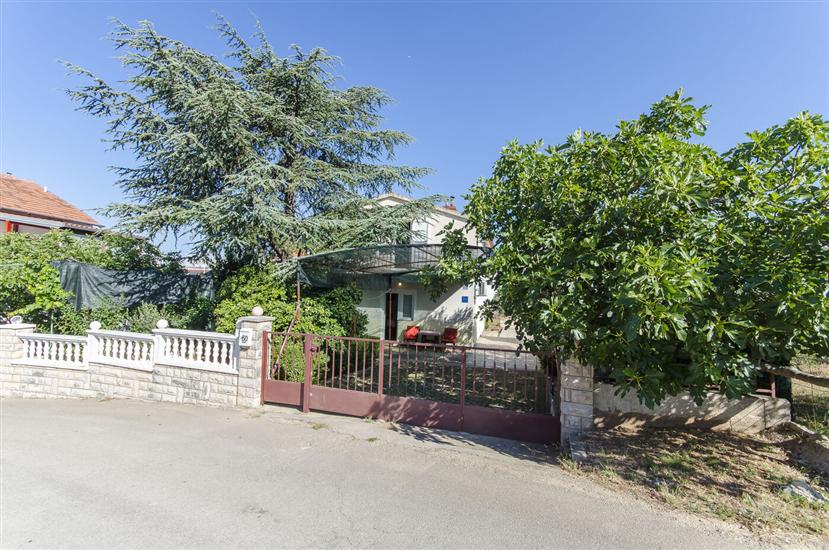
(480, 289)
(407, 307)
(420, 231)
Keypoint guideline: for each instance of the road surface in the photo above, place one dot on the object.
(127, 474)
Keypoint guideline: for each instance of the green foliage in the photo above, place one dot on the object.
(193, 315)
(653, 256)
(251, 287)
(452, 270)
(341, 304)
(30, 286)
(111, 315)
(256, 160)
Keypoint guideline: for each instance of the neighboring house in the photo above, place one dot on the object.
(406, 302)
(26, 207)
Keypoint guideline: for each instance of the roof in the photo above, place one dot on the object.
(452, 212)
(26, 197)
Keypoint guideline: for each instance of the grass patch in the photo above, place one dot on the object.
(734, 478)
(373, 439)
(318, 426)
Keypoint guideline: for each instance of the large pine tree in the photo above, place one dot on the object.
(257, 159)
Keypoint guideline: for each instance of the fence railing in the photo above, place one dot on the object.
(512, 380)
(211, 351)
(121, 349)
(810, 403)
(49, 349)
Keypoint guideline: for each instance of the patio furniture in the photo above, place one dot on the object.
(449, 336)
(411, 333)
(427, 336)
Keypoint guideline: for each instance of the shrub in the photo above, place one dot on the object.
(342, 305)
(111, 315)
(30, 286)
(141, 318)
(251, 287)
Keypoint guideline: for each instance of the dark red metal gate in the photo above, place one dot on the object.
(483, 390)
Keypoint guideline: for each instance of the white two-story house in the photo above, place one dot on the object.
(405, 302)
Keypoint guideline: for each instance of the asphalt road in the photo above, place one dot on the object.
(126, 474)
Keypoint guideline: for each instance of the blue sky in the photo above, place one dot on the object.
(467, 77)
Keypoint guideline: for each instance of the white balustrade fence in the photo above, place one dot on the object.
(54, 349)
(197, 350)
(210, 351)
(122, 349)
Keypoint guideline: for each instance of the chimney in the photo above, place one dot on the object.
(451, 204)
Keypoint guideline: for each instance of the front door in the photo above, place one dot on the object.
(391, 317)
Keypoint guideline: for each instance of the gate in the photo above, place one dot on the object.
(483, 390)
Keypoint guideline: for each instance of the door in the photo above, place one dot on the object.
(391, 316)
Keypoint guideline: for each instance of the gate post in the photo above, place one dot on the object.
(309, 372)
(252, 360)
(576, 399)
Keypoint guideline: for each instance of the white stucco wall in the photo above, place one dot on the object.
(447, 311)
(433, 315)
(437, 222)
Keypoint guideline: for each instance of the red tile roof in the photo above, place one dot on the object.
(28, 198)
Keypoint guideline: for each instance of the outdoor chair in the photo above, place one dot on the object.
(449, 336)
(411, 333)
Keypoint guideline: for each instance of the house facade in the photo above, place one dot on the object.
(27, 207)
(405, 302)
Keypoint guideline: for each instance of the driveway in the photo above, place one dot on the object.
(127, 474)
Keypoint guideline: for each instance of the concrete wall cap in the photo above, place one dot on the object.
(257, 319)
(16, 326)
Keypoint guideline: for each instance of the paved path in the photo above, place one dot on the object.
(126, 474)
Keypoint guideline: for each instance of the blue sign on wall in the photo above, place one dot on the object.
(464, 299)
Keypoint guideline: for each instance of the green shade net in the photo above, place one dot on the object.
(91, 285)
(371, 264)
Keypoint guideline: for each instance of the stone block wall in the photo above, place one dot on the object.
(167, 383)
(749, 414)
(576, 400)
(250, 360)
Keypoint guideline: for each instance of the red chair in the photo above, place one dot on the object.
(411, 333)
(449, 336)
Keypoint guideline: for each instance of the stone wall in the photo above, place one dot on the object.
(750, 414)
(22, 377)
(576, 400)
(586, 405)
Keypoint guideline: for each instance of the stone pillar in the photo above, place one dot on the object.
(576, 400)
(250, 358)
(11, 347)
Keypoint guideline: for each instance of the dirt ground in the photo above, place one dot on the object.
(733, 478)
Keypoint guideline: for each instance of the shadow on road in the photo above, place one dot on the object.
(534, 452)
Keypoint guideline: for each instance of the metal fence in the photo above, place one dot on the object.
(512, 380)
